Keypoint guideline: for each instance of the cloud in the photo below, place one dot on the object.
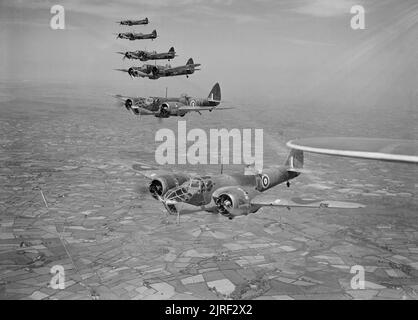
(326, 8)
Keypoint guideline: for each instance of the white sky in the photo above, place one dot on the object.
(259, 50)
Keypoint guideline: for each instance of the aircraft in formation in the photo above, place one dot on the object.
(157, 71)
(165, 107)
(230, 195)
(137, 36)
(133, 22)
(158, 106)
(149, 55)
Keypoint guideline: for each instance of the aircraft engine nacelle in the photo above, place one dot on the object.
(161, 184)
(232, 201)
(168, 109)
(128, 104)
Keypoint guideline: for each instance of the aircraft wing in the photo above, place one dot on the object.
(142, 111)
(304, 203)
(121, 97)
(197, 109)
(137, 73)
(148, 171)
(141, 74)
(367, 148)
(137, 103)
(181, 68)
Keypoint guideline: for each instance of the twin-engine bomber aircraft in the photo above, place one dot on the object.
(230, 194)
(157, 71)
(137, 36)
(173, 106)
(149, 55)
(133, 22)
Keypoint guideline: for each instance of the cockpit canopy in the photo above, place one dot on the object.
(149, 100)
(188, 189)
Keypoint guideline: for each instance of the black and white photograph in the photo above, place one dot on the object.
(209, 153)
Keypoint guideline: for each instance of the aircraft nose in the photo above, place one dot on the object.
(179, 194)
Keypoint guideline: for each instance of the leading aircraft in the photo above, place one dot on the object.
(137, 36)
(231, 195)
(165, 107)
(157, 71)
(133, 22)
(149, 55)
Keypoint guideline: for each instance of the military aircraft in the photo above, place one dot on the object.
(137, 36)
(157, 71)
(231, 195)
(149, 55)
(133, 22)
(164, 107)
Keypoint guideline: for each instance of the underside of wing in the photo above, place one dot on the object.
(394, 150)
(175, 69)
(141, 74)
(305, 203)
(121, 97)
(197, 109)
(142, 111)
(223, 108)
(148, 171)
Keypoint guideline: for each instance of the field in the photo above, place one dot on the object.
(74, 145)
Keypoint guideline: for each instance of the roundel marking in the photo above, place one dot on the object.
(193, 103)
(265, 180)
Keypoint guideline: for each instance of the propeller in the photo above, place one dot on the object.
(131, 72)
(123, 70)
(128, 104)
(154, 71)
(164, 110)
(125, 54)
(223, 203)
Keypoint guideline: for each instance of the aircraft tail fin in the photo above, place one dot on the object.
(172, 50)
(215, 93)
(154, 33)
(295, 160)
(190, 63)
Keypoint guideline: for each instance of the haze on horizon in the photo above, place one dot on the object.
(263, 52)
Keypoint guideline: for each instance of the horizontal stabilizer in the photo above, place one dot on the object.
(306, 203)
